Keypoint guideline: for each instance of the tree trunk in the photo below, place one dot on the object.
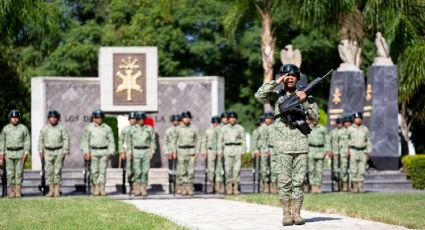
(405, 127)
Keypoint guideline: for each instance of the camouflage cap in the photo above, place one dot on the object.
(53, 113)
(15, 113)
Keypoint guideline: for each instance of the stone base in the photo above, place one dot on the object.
(382, 61)
(348, 67)
(384, 163)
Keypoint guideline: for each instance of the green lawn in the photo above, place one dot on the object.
(76, 213)
(406, 209)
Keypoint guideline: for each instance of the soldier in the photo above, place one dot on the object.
(219, 179)
(122, 144)
(317, 141)
(256, 153)
(141, 147)
(232, 146)
(98, 146)
(334, 152)
(291, 145)
(187, 146)
(268, 148)
(340, 142)
(169, 142)
(209, 148)
(358, 146)
(15, 143)
(53, 146)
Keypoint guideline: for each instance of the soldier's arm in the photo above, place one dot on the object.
(312, 109)
(266, 94)
(254, 140)
(27, 141)
(174, 139)
(111, 144)
(197, 142)
(153, 143)
(84, 146)
(204, 143)
(66, 140)
(243, 140)
(2, 142)
(41, 141)
(327, 138)
(346, 149)
(129, 142)
(369, 142)
(121, 139)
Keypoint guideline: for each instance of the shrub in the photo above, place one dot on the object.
(407, 160)
(246, 161)
(417, 172)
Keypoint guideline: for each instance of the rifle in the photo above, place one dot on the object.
(215, 171)
(174, 177)
(348, 174)
(307, 177)
(124, 172)
(339, 173)
(223, 173)
(170, 176)
(130, 176)
(43, 178)
(4, 179)
(87, 176)
(254, 166)
(332, 174)
(206, 175)
(260, 174)
(293, 110)
(268, 172)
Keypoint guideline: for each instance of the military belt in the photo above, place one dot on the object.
(358, 149)
(210, 148)
(95, 147)
(140, 147)
(271, 146)
(15, 149)
(53, 148)
(228, 144)
(186, 146)
(316, 146)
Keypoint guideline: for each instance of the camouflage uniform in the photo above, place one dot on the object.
(333, 147)
(232, 145)
(186, 145)
(122, 144)
(290, 149)
(169, 139)
(209, 146)
(269, 147)
(54, 144)
(141, 146)
(14, 144)
(359, 145)
(318, 143)
(98, 141)
(341, 139)
(219, 170)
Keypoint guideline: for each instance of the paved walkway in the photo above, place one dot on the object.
(211, 214)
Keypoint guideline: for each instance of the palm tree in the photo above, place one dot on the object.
(401, 21)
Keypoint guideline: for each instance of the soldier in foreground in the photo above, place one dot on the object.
(53, 147)
(186, 145)
(122, 144)
(232, 146)
(291, 144)
(15, 144)
(219, 179)
(169, 152)
(98, 146)
(358, 146)
(141, 147)
(317, 141)
(209, 148)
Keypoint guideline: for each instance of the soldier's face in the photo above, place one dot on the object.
(347, 124)
(15, 120)
(175, 123)
(98, 120)
(339, 125)
(290, 81)
(233, 120)
(268, 121)
(132, 121)
(141, 122)
(53, 120)
(358, 121)
(186, 120)
(215, 124)
(224, 120)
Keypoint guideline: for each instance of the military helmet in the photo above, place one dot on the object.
(132, 115)
(224, 115)
(98, 114)
(53, 113)
(174, 117)
(179, 117)
(140, 115)
(215, 119)
(340, 120)
(261, 119)
(232, 115)
(358, 115)
(290, 68)
(15, 113)
(186, 114)
(269, 115)
(348, 118)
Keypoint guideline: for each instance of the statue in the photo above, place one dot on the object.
(382, 50)
(349, 51)
(290, 56)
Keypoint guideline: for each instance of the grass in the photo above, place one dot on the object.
(76, 213)
(405, 209)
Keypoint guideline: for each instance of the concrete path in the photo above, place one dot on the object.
(212, 214)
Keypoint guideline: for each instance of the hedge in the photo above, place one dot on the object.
(417, 172)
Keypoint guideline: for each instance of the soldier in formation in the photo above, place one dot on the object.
(141, 147)
(219, 172)
(53, 147)
(170, 153)
(15, 147)
(209, 148)
(231, 145)
(335, 153)
(358, 146)
(98, 146)
(122, 144)
(318, 148)
(290, 144)
(187, 146)
(257, 154)
(269, 149)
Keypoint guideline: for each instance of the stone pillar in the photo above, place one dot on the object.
(383, 113)
(346, 95)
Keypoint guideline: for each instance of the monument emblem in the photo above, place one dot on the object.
(336, 96)
(369, 92)
(129, 77)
